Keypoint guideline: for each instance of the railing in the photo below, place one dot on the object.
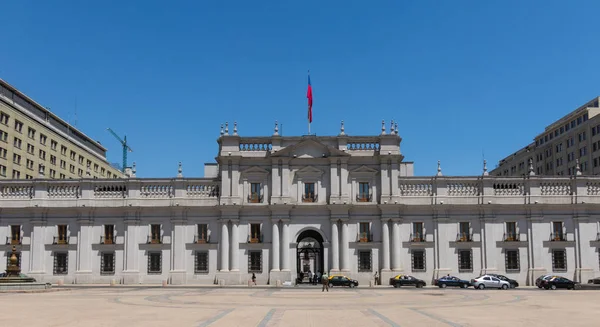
(558, 237)
(162, 190)
(255, 198)
(17, 192)
(363, 146)
(508, 189)
(309, 198)
(64, 191)
(203, 190)
(416, 188)
(464, 237)
(363, 198)
(417, 237)
(60, 240)
(364, 237)
(256, 146)
(11, 241)
(201, 239)
(256, 238)
(511, 237)
(154, 240)
(107, 240)
(110, 191)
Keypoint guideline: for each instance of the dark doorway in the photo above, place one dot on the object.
(309, 255)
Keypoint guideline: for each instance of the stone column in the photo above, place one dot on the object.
(344, 247)
(178, 253)
(285, 246)
(83, 275)
(335, 255)
(37, 255)
(131, 273)
(385, 245)
(235, 246)
(224, 246)
(275, 247)
(396, 266)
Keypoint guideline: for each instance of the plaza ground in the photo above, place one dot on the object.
(304, 306)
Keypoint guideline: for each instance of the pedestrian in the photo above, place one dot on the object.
(310, 276)
(325, 282)
(376, 278)
(253, 279)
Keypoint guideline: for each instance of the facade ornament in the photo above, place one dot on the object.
(276, 132)
(342, 132)
(235, 128)
(392, 128)
(87, 171)
(577, 168)
(531, 172)
(382, 127)
(222, 130)
(180, 171)
(439, 169)
(485, 172)
(396, 127)
(226, 128)
(41, 172)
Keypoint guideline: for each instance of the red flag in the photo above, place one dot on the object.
(310, 100)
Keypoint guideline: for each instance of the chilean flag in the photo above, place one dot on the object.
(310, 100)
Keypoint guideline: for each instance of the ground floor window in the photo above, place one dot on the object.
(418, 260)
(61, 263)
(512, 260)
(465, 260)
(17, 254)
(559, 260)
(201, 262)
(255, 261)
(107, 263)
(155, 263)
(364, 261)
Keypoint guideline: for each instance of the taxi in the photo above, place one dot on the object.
(406, 280)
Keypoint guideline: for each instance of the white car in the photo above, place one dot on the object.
(484, 281)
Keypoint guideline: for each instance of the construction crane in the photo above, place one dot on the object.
(125, 147)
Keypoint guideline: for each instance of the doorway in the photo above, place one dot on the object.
(309, 255)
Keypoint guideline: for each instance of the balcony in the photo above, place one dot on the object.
(364, 237)
(256, 238)
(363, 198)
(107, 240)
(511, 237)
(154, 240)
(255, 198)
(558, 237)
(464, 237)
(201, 239)
(309, 198)
(14, 241)
(417, 238)
(60, 240)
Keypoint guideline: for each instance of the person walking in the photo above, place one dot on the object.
(253, 279)
(325, 282)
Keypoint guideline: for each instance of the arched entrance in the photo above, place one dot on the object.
(309, 254)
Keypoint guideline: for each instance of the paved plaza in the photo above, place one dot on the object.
(199, 307)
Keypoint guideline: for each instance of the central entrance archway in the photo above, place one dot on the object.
(309, 254)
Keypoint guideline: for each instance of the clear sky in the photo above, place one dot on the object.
(462, 78)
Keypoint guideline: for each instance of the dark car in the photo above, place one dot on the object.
(342, 281)
(539, 281)
(452, 281)
(405, 280)
(513, 283)
(558, 282)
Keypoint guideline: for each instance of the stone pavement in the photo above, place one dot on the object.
(213, 306)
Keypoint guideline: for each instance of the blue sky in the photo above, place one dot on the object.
(462, 78)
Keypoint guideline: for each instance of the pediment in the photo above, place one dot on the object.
(309, 172)
(310, 149)
(363, 171)
(255, 171)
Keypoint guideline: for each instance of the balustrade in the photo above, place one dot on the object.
(64, 191)
(156, 191)
(260, 146)
(17, 192)
(363, 146)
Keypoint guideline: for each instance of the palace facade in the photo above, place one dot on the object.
(276, 206)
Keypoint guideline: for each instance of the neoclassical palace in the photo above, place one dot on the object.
(279, 205)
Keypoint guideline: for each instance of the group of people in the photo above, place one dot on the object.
(313, 278)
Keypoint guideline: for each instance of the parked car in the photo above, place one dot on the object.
(451, 281)
(405, 280)
(558, 282)
(484, 281)
(342, 281)
(539, 280)
(513, 283)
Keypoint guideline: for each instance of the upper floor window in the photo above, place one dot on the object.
(202, 236)
(43, 139)
(15, 234)
(511, 231)
(309, 193)
(255, 233)
(80, 159)
(464, 232)
(17, 143)
(62, 235)
(418, 232)
(255, 195)
(364, 194)
(109, 234)
(31, 133)
(364, 234)
(63, 150)
(155, 234)
(4, 118)
(557, 231)
(18, 126)
(53, 145)
(72, 155)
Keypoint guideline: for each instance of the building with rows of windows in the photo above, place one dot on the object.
(568, 142)
(35, 143)
(277, 206)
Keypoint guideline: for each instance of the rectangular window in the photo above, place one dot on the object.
(4, 118)
(255, 196)
(255, 261)
(53, 160)
(72, 155)
(464, 232)
(52, 173)
(109, 234)
(41, 168)
(465, 261)
(2, 170)
(255, 234)
(3, 136)
(61, 263)
(418, 260)
(202, 236)
(62, 234)
(17, 254)
(43, 139)
(154, 262)
(309, 193)
(557, 231)
(107, 263)
(512, 260)
(364, 261)
(63, 150)
(81, 159)
(3, 153)
(155, 234)
(16, 174)
(42, 154)
(95, 168)
(417, 235)
(31, 133)
(71, 169)
(16, 159)
(364, 232)
(63, 164)
(30, 149)
(17, 143)
(15, 234)
(511, 231)
(18, 126)
(201, 262)
(364, 194)
(53, 145)
(559, 260)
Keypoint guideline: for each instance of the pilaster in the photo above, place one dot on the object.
(37, 247)
(177, 275)
(85, 220)
(131, 272)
